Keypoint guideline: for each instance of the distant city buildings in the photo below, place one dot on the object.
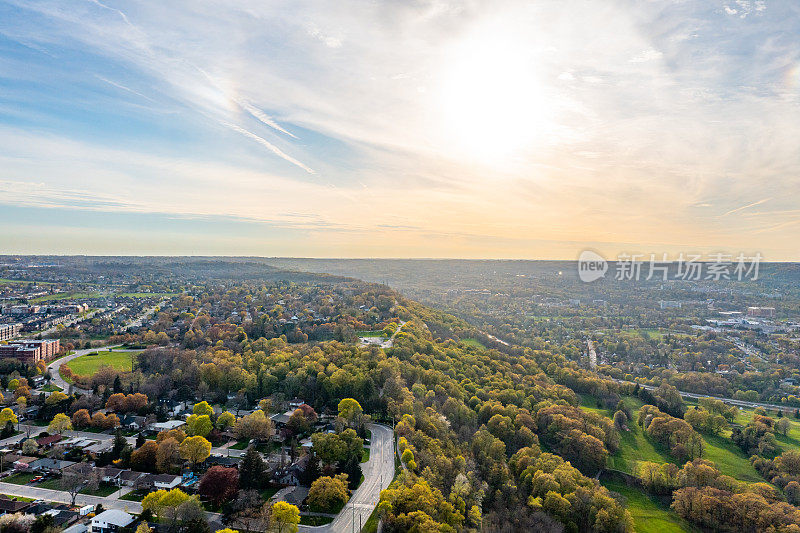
(669, 304)
(31, 351)
(761, 312)
(9, 331)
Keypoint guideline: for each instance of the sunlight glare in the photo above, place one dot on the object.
(493, 105)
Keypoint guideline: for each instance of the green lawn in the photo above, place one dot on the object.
(729, 458)
(649, 515)
(146, 294)
(53, 484)
(103, 490)
(268, 493)
(20, 478)
(635, 446)
(87, 365)
(306, 520)
(18, 498)
(365, 455)
(378, 333)
(371, 526)
(51, 388)
(475, 343)
(6, 280)
(65, 295)
(135, 496)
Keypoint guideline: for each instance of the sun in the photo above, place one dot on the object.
(493, 104)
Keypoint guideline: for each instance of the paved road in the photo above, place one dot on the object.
(730, 401)
(378, 474)
(56, 378)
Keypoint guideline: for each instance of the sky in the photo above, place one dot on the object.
(415, 128)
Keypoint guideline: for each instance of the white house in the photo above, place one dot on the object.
(110, 521)
(166, 481)
(168, 425)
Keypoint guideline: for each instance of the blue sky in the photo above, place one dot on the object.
(503, 129)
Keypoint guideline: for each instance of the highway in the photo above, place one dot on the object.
(378, 474)
(730, 401)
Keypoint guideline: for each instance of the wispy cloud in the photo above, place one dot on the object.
(268, 145)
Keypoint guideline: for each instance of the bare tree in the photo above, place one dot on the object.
(75, 478)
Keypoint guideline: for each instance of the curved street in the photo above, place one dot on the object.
(378, 474)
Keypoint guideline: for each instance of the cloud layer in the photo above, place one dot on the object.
(429, 128)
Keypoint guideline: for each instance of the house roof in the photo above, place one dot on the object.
(115, 517)
(130, 475)
(45, 441)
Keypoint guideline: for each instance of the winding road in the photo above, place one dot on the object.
(378, 474)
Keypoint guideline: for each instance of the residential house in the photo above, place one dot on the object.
(166, 481)
(12, 505)
(54, 466)
(168, 425)
(23, 462)
(129, 478)
(48, 442)
(110, 521)
(110, 474)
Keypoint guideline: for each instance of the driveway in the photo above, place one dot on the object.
(378, 474)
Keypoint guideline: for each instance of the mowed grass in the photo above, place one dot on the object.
(147, 294)
(636, 446)
(87, 365)
(475, 343)
(649, 516)
(65, 295)
(368, 334)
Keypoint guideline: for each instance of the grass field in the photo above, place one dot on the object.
(378, 333)
(87, 365)
(22, 281)
(135, 496)
(21, 478)
(473, 342)
(65, 295)
(365, 455)
(18, 498)
(635, 446)
(649, 516)
(147, 294)
(306, 520)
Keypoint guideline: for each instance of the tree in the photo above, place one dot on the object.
(44, 523)
(59, 424)
(226, 420)
(203, 408)
(782, 426)
(13, 385)
(75, 478)
(166, 453)
(350, 412)
(7, 415)
(199, 425)
(119, 444)
(284, 517)
(55, 397)
(81, 419)
(254, 426)
(252, 469)
(144, 528)
(145, 458)
(195, 449)
(328, 494)
(29, 447)
(620, 419)
(219, 484)
(116, 402)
